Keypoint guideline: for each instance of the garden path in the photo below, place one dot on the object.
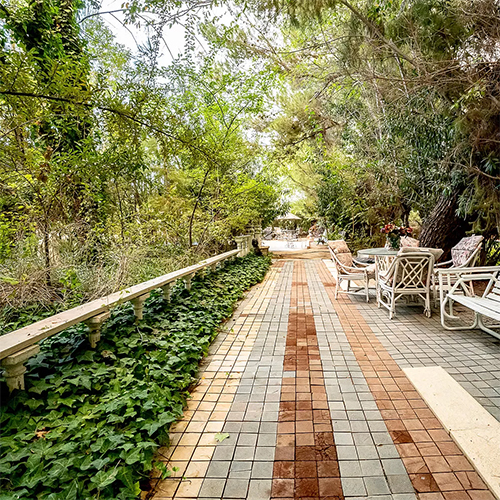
(304, 397)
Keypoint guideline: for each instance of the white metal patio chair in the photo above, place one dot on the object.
(464, 254)
(409, 274)
(350, 271)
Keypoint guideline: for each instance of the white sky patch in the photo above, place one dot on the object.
(173, 44)
(134, 36)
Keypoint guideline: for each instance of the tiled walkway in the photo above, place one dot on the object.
(304, 398)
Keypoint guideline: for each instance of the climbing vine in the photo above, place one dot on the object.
(89, 422)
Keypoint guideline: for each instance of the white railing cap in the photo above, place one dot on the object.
(17, 340)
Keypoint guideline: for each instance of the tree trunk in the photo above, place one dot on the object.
(198, 198)
(46, 251)
(405, 215)
(444, 228)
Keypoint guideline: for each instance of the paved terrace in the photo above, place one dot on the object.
(309, 400)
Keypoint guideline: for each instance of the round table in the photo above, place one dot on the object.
(378, 252)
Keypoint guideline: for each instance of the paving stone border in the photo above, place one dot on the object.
(436, 466)
(470, 357)
(309, 400)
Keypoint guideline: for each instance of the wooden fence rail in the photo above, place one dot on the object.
(18, 346)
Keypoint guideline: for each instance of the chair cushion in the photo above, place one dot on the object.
(408, 241)
(339, 246)
(370, 270)
(345, 258)
(462, 251)
(437, 252)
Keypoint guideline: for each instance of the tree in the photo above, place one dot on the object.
(411, 87)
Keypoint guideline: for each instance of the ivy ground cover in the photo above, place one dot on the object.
(90, 420)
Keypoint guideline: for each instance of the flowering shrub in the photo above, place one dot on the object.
(393, 230)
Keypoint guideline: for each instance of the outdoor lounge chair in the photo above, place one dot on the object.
(485, 306)
(349, 270)
(409, 274)
(464, 254)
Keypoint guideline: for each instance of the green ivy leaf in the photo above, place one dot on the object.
(99, 463)
(221, 436)
(134, 457)
(104, 478)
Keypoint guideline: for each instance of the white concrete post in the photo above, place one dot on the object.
(94, 325)
(167, 291)
(15, 369)
(244, 245)
(138, 304)
(248, 244)
(187, 280)
(258, 235)
(240, 242)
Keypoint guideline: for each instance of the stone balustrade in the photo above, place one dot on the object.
(244, 244)
(18, 346)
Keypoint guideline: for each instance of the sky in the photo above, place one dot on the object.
(131, 36)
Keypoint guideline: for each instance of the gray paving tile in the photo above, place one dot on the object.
(259, 489)
(350, 468)
(400, 483)
(353, 486)
(393, 466)
(371, 468)
(264, 453)
(236, 488)
(223, 453)
(218, 469)
(262, 470)
(267, 440)
(247, 440)
(212, 488)
(376, 485)
(347, 453)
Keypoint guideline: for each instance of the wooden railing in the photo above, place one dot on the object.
(18, 346)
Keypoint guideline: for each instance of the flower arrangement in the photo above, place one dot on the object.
(393, 235)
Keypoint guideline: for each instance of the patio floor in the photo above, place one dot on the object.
(305, 397)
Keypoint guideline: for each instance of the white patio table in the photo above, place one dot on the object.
(378, 252)
(380, 264)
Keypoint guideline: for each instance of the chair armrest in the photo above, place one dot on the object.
(360, 263)
(359, 270)
(441, 264)
(469, 270)
(473, 277)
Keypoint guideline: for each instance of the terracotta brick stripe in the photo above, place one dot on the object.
(436, 466)
(306, 465)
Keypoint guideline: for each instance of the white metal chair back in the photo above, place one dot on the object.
(466, 252)
(347, 270)
(408, 274)
(383, 262)
(413, 270)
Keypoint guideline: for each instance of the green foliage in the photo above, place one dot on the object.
(90, 421)
(103, 148)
